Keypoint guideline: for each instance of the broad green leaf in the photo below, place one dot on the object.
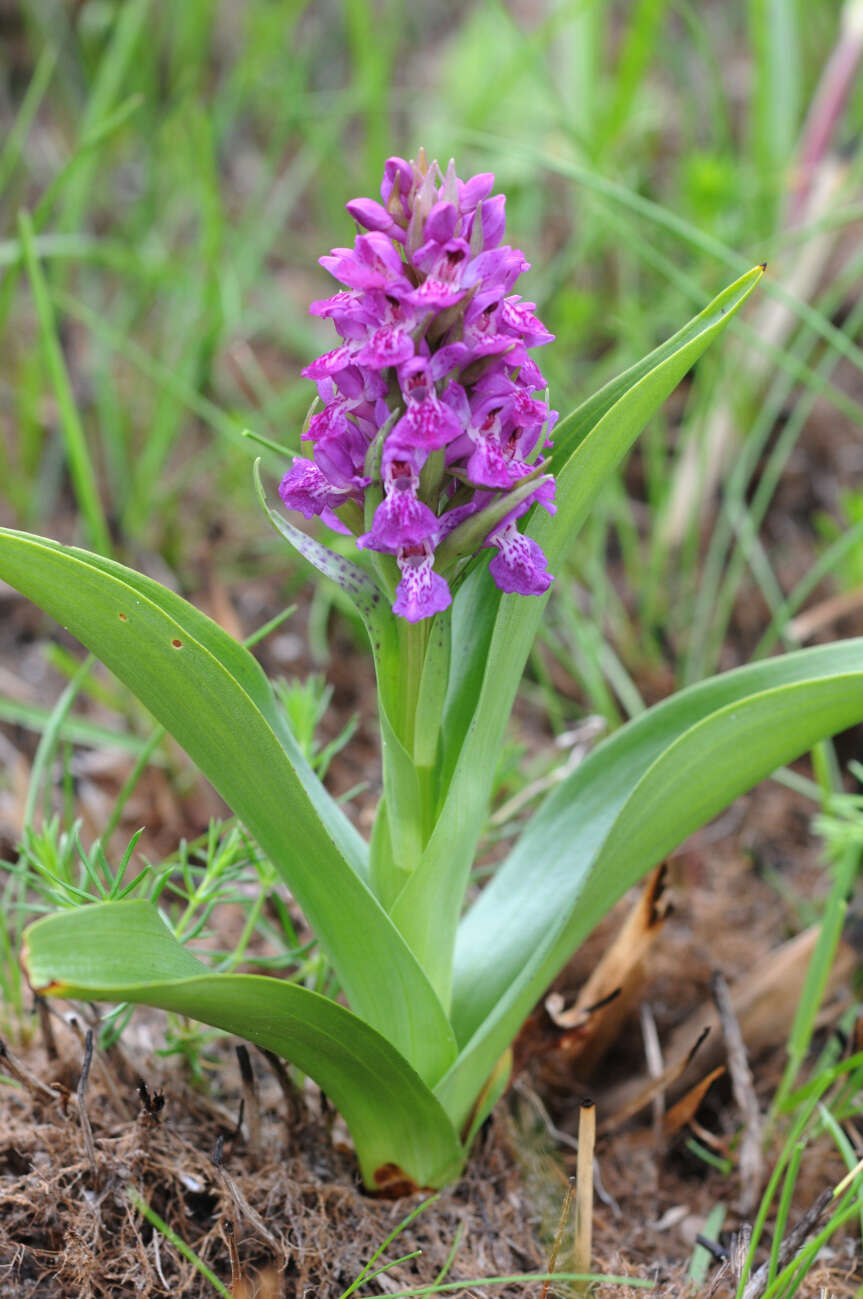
(593, 441)
(493, 633)
(575, 427)
(123, 951)
(632, 801)
(210, 693)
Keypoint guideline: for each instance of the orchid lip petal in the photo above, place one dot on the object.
(422, 592)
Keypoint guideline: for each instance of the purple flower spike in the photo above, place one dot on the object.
(433, 362)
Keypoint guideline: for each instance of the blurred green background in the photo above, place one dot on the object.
(170, 173)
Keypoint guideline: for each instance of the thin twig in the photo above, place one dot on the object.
(713, 1247)
(811, 621)
(751, 1158)
(117, 1100)
(23, 1075)
(241, 1204)
(739, 1251)
(47, 1028)
(292, 1097)
(584, 1189)
(157, 1255)
(83, 1117)
(794, 1241)
(557, 1134)
(238, 1126)
(655, 1064)
(849, 1176)
(646, 1093)
(229, 1235)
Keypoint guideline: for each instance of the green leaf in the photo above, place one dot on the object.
(212, 695)
(397, 845)
(367, 597)
(632, 801)
(493, 633)
(572, 431)
(123, 951)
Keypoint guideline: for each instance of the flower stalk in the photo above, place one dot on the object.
(427, 443)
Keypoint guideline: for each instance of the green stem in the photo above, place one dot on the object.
(411, 708)
(427, 781)
(414, 639)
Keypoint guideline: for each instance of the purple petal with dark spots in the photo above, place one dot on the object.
(520, 566)
(422, 592)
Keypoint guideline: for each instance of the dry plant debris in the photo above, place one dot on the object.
(287, 1219)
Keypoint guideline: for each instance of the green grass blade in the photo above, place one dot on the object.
(110, 80)
(150, 1214)
(156, 372)
(701, 1258)
(688, 233)
(51, 737)
(818, 973)
(33, 96)
(81, 467)
(521, 1278)
(845, 1148)
(784, 1208)
(76, 729)
(775, 94)
(87, 248)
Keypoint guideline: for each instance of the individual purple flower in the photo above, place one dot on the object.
(431, 398)
(428, 424)
(304, 488)
(443, 266)
(373, 263)
(421, 592)
(386, 347)
(401, 519)
(519, 567)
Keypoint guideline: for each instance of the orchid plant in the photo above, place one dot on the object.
(430, 444)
